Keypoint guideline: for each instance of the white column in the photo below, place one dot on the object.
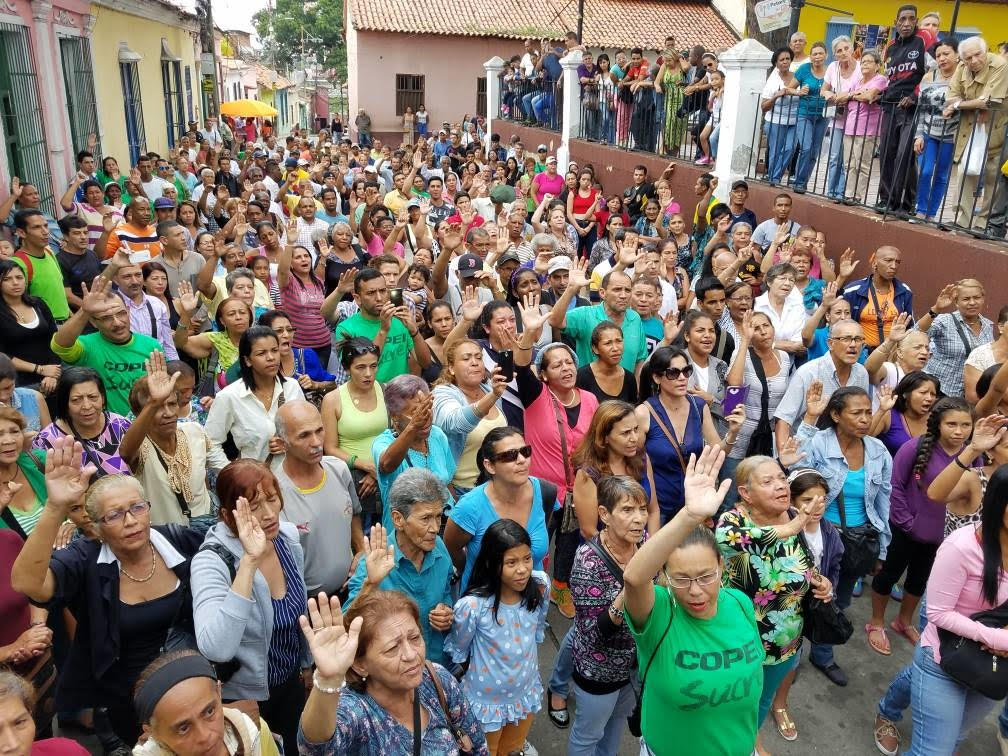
(745, 66)
(570, 125)
(56, 128)
(493, 68)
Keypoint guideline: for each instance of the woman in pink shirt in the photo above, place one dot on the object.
(969, 575)
(549, 181)
(861, 128)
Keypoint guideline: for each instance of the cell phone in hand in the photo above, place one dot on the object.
(734, 396)
(396, 297)
(505, 361)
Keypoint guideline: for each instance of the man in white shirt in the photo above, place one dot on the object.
(153, 186)
(211, 134)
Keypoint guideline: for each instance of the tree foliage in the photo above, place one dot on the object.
(293, 27)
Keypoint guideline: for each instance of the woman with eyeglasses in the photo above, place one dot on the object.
(506, 492)
(739, 301)
(688, 616)
(248, 592)
(126, 589)
(675, 424)
(82, 414)
(765, 559)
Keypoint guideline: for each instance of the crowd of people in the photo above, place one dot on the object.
(302, 462)
(915, 129)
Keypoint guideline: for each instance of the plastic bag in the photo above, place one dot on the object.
(976, 150)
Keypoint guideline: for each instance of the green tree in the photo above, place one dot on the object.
(295, 26)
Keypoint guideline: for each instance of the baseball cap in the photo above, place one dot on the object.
(551, 159)
(413, 203)
(469, 265)
(302, 161)
(509, 256)
(560, 262)
(542, 148)
(370, 169)
(163, 203)
(258, 154)
(291, 162)
(740, 185)
(442, 131)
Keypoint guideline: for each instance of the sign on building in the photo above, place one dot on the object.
(772, 15)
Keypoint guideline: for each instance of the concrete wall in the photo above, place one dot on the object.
(142, 35)
(931, 258)
(450, 65)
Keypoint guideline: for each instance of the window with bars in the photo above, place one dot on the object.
(136, 138)
(481, 94)
(171, 83)
(81, 106)
(23, 133)
(409, 92)
(188, 93)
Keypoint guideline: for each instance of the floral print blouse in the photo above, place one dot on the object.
(774, 573)
(364, 728)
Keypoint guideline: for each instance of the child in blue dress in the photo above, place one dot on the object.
(498, 623)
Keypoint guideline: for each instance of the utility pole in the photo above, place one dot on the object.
(580, 29)
(208, 60)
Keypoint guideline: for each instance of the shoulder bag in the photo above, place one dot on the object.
(568, 521)
(966, 662)
(634, 718)
(862, 544)
(761, 441)
(462, 739)
(822, 621)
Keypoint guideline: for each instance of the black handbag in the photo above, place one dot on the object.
(970, 665)
(634, 718)
(822, 621)
(761, 441)
(862, 545)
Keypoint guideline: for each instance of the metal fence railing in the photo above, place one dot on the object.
(869, 155)
(531, 102)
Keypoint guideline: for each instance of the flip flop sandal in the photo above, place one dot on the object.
(907, 631)
(559, 717)
(884, 650)
(785, 726)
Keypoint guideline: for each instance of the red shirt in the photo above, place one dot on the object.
(583, 204)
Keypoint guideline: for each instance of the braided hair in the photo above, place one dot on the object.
(926, 443)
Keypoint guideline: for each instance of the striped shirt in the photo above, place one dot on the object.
(302, 303)
(93, 217)
(28, 520)
(134, 239)
(285, 642)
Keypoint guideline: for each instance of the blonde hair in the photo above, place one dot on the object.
(748, 466)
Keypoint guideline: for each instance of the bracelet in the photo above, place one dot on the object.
(932, 314)
(959, 462)
(323, 689)
(352, 461)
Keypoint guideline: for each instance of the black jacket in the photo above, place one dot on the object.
(904, 67)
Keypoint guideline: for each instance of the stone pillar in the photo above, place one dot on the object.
(55, 125)
(570, 125)
(745, 67)
(493, 67)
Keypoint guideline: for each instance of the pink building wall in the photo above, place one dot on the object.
(46, 23)
(450, 66)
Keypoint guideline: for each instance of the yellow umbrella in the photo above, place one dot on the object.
(247, 109)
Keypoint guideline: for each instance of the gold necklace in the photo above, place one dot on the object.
(153, 567)
(602, 540)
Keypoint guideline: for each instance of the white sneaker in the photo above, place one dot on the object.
(529, 750)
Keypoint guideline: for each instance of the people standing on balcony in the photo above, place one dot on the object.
(978, 91)
(779, 103)
(588, 75)
(811, 126)
(670, 82)
(797, 44)
(843, 75)
(861, 129)
(904, 67)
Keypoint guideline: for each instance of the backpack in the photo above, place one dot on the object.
(29, 266)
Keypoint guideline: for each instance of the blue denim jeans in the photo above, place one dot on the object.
(715, 137)
(935, 168)
(563, 668)
(600, 721)
(836, 175)
(809, 135)
(897, 696)
(780, 148)
(943, 710)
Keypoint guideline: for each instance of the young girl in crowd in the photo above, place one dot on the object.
(498, 624)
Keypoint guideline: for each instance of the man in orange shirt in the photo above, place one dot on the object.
(877, 299)
(137, 235)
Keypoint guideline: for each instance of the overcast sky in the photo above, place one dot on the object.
(230, 14)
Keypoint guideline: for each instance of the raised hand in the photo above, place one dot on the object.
(292, 228)
(946, 298)
(8, 491)
(379, 555)
(472, 308)
(988, 432)
(886, 398)
(788, 453)
(66, 480)
(424, 413)
(830, 293)
(671, 326)
(109, 221)
(333, 647)
(253, 540)
(900, 325)
(579, 274)
(186, 302)
(160, 385)
(847, 264)
(747, 327)
(96, 300)
(346, 280)
(134, 176)
(815, 400)
(531, 315)
(701, 491)
(16, 188)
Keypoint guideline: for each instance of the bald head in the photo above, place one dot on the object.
(299, 426)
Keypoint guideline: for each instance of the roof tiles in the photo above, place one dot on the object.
(607, 23)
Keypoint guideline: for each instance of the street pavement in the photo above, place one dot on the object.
(830, 720)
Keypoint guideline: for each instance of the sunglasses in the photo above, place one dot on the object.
(511, 455)
(673, 373)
